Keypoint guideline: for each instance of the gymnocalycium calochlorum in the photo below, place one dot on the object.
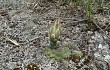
(54, 33)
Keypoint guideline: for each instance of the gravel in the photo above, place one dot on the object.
(29, 28)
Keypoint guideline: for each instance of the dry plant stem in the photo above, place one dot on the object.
(100, 27)
(35, 5)
(107, 27)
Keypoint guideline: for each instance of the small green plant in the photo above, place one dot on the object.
(54, 33)
(99, 6)
(58, 54)
(67, 2)
(77, 54)
(64, 2)
(76, 2)
(88, 8)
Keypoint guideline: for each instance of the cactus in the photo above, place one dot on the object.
(54, 33)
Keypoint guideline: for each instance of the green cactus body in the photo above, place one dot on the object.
(54, 33)
(57, 33)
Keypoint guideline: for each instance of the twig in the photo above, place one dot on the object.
(14, 42)
(107, 27)
(100, 27)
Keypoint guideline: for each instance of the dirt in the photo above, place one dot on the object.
(24, 29)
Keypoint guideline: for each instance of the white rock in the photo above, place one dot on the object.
(11, 65)
(100, 46)
(107, 58)
(97, 55)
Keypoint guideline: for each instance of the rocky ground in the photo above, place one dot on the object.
(24, 29)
